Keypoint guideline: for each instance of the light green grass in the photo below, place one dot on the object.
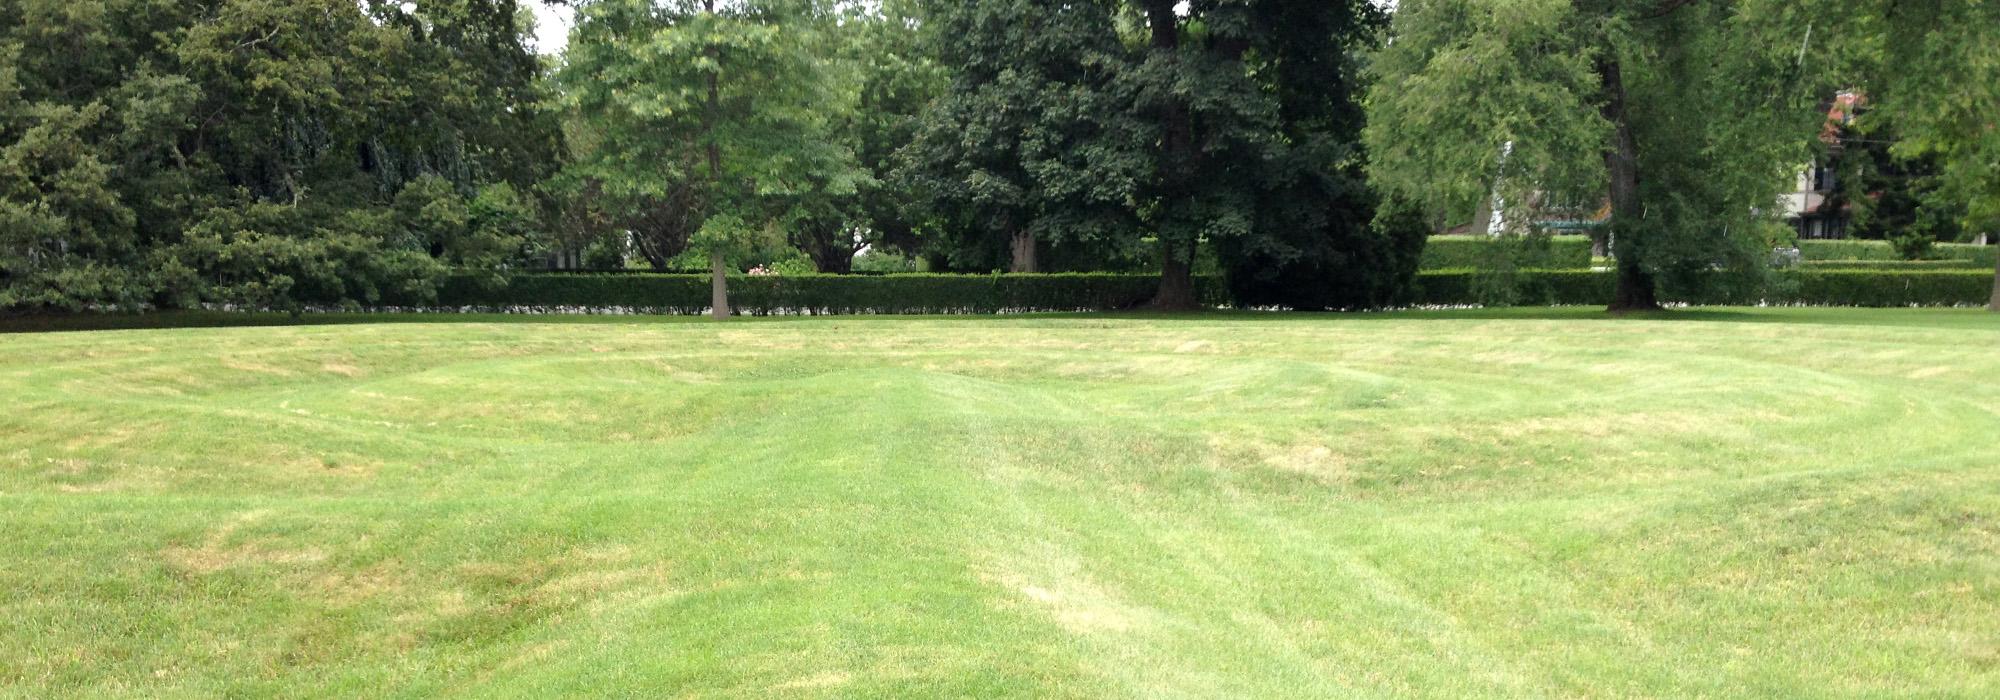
(1534, 503)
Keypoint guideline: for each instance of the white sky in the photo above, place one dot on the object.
(551, 26)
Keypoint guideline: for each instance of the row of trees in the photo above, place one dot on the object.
(992, 134)
(279, 152)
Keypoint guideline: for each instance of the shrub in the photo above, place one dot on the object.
(1476, 252)
(822, 294)
(1890, 265)
(1889, 288)
(1810, 287)
(1340, 263)
(1467, 287)
(1978, 255)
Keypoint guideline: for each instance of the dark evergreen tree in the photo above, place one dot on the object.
(1031, 143)
(252, 151)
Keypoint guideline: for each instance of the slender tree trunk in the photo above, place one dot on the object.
(1022, 247)
(1636, 289)
(718, 272)
(718, 286)
(1177, 150)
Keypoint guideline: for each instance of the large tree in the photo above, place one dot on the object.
(1255, 123)
(1931, 70)
(1687, 116)
(252, 151)
(1231, 124)
(881, 49)
(1030, 143)
(1698, 109)
(718, 108)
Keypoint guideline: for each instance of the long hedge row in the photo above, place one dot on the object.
(1893, 265)
(985, 294)
(1551, 253)
(821, 294)
(1978, 255)
(1806, 287)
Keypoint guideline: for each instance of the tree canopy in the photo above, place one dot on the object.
(261, 152)
(296, 153)
(1686, 116)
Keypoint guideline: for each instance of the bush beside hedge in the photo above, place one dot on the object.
(1533, 287)
(1472, 252)
(1978, 255)
(1891, 264)
(822, 294)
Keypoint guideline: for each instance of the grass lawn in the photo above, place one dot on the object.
(1739, 503)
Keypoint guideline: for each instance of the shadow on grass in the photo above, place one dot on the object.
(1969, 318)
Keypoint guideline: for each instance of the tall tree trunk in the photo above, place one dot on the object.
(1021, 245)
(718, 286)
(1177, 151)
(1636, 289)
(718, 273)
(1176, 278)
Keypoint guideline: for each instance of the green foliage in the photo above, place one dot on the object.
(1528, 252)
(1894, 198)
(707, 127)
(1886, 288)
(1464, 78)
(1030, 139)
(1691, 116)
(1095, 128)
(136, 132)
(1467, 287)
(898, 78)
(879, 262)
(271, 256)
(1891, 264)
(1979, 255)
(819, 294)
(1804, 287)
(687, 294)
(1931, 72)
(1338, 266)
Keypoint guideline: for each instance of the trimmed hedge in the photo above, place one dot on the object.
(986, 294)
(1883, 288)
(1978, 255)
(1472, 252)
(1890, 264)
(1805, 287)
(821, 294)
(1535, 287)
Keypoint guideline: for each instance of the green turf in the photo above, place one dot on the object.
(1530, 503)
